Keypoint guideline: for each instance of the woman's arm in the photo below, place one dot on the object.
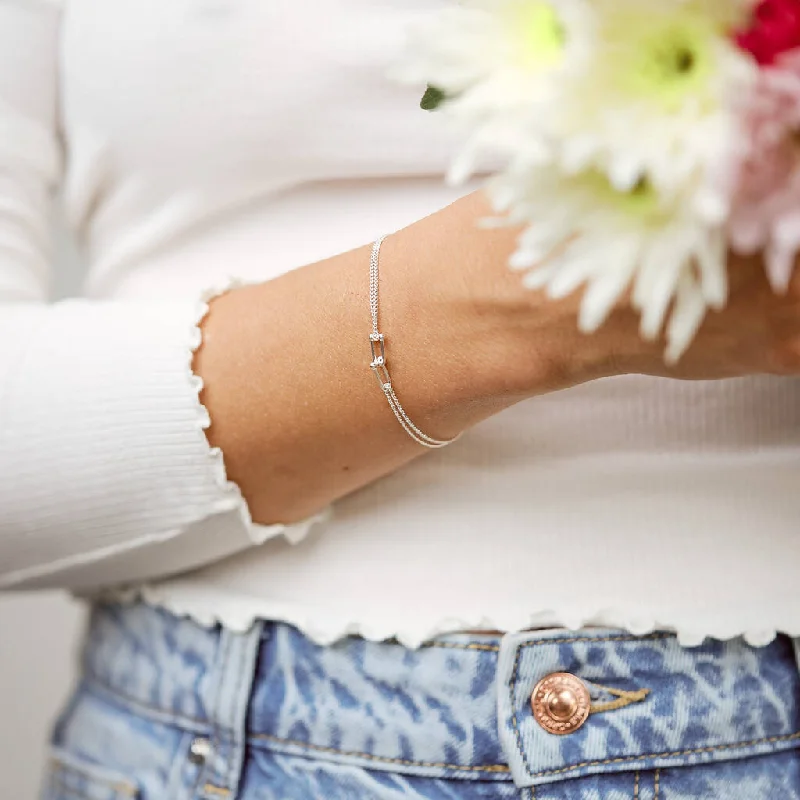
(285, 365)
(105, 471)
(298, 413)
(106, 475)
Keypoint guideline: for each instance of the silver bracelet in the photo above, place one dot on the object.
(378, 365)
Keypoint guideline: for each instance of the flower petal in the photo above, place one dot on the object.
(608, 286)
(687, 316)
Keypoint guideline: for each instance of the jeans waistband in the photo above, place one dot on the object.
(458, 707)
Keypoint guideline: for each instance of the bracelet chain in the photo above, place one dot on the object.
(377, 343)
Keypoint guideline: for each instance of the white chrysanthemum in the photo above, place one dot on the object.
(500, 64)
(582, 232)
(653, 98)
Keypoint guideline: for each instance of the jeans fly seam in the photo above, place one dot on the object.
(237, 745)
(237, 662)
(216, 714)
(514, 720)
(218, 731)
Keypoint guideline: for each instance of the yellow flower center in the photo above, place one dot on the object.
(642, 202)
(666, 61)
(538, 28)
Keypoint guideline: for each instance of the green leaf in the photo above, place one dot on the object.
(432, 98)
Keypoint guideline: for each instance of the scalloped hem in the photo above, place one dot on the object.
(227, 487)
(210, 607)
(258, 534)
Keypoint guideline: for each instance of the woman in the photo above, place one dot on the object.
(590, 594)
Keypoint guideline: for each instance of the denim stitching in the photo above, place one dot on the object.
(209, 788)
(624, 698)
(573, 640)
(622, 759)
(496, 648)
(68, 793)
(657, 785)
(216, 713)
(514, 720)
(493, 768)
(219, 731)
(191, 724)
(145, 707)
(711, 749)
(382, 759)
(236, 744)
(636, 785)
(246, 657)
(128, 789)
(628, 637)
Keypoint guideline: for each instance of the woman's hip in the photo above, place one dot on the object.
(169, 710)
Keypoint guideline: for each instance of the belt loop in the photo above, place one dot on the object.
(232, 682)
(508, 728)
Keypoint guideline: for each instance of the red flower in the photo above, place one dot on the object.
(775, 29)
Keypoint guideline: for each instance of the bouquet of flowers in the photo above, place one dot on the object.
(641, 141)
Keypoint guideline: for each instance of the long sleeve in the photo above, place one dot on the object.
(106, 476)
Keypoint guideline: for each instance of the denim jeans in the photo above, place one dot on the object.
(168, 710)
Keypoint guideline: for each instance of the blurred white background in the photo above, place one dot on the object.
(37, 653)
(38, 638)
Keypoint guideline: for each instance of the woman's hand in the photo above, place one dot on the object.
(758, 332)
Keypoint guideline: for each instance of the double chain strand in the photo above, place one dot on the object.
(379, 366)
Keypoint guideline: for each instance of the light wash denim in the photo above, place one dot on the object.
(168, 710)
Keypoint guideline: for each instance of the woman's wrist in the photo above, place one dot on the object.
(480, 339)
(467, 342)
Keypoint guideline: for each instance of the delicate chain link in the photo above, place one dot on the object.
(378, 364)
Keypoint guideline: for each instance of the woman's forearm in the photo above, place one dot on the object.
(294, 406)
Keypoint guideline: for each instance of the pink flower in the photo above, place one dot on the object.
(775, 29)
(766, 209)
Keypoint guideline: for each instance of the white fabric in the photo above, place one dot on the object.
(205, 139)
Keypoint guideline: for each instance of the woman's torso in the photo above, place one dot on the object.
(216, 138)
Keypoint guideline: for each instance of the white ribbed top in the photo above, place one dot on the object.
(203, 140)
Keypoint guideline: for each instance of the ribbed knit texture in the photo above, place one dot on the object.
(98, 395)
(106, 476)
(199, 139)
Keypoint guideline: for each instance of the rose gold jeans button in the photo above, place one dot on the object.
(561, 703)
